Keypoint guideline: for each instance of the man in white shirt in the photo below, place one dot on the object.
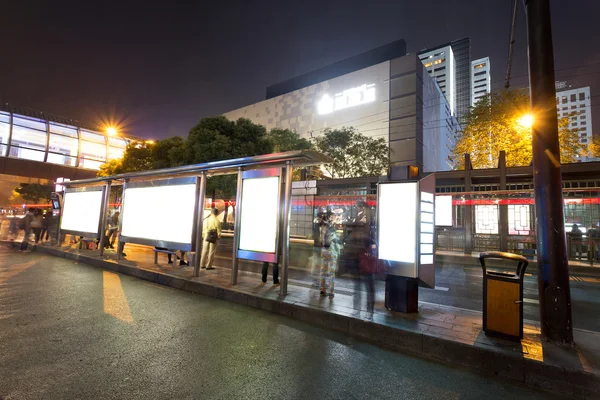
(211, 233)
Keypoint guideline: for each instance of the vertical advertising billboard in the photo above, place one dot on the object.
(406, 228)
(260, 211)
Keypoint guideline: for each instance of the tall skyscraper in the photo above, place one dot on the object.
(481, 81)
(576, 104)
(453, 68)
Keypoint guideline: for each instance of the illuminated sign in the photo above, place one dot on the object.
(81, 212)
(397, 218)
(162, 213)
(348, 98)
(260, 214)
(443, 211)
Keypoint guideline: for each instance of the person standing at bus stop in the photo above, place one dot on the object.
(211, 232)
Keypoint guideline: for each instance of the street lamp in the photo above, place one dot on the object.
(525, 121)
(111, 131)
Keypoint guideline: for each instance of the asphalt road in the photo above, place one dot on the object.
(73, 331)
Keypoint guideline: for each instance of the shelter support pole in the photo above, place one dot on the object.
(503, 208)
(468, 208)
(121, 245)
(287, 209)
(199, 222)
(553, 266)
(103, 217)
(236, 228)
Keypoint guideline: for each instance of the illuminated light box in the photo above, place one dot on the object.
(443, 211)
(406, 229)
(260, 211)
(81, 212)
(397, 218)
(160, 213)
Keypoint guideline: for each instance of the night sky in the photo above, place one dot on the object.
(160, 68)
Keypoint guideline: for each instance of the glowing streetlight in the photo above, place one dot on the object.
(111, 131)
(149, 141)
(526, 121)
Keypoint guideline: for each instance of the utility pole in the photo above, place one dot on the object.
(553, 267)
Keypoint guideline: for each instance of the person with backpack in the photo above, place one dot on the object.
(36, 224)
(211, 232)
(330, 253)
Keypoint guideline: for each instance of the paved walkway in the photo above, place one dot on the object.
(447, 333)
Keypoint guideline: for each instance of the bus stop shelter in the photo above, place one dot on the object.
(262, 211)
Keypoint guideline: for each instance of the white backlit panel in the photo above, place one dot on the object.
(397, 218)
(163, 213)
(260, 211)
(81, 211)
(443, 210)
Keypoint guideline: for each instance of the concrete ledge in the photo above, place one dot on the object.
(403, 336)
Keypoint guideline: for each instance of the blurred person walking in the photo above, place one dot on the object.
(265, 272)
(329, 258)
(47, 222)
(211, 232)
(113, 227)
(25, 225)
(37, 222)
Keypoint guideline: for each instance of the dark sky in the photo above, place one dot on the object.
(160, 68)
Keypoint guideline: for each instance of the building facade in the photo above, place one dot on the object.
(457, 67)
(383, 93)
(576, 104)
(34, 136)
(481, 80)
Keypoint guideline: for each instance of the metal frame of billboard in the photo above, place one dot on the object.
(81, 233)
(424, 272)
(158, 183)
(258, 255)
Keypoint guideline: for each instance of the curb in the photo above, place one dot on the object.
(570, 382)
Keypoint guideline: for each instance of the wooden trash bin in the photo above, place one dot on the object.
(503, 297)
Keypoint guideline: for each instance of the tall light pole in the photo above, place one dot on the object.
(553, 268)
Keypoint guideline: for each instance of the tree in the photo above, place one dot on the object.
(353, 154)
(137, 157)
(34, 192)
(167, 152)
(288, 140)
(493, 125)
(594, 147)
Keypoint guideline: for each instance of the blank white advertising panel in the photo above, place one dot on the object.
(260, 214)
(397, 218)
(160, 213)
(81, 212)
(443, 210)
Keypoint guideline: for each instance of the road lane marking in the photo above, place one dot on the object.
(115, 301)
(15, 269)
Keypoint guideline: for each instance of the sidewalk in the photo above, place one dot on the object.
(448, 334)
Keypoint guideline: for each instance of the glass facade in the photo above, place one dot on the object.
(37, 139)
(462, 58)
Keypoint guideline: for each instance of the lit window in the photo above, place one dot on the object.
(564, 100)
(582, 105)
(573, 107)
(480, 65)
(427, 65)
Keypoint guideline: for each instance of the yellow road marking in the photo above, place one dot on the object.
(115, 301)
(15, 269)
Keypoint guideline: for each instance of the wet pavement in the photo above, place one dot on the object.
(69, 330)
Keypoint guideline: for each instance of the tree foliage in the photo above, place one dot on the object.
(492, 125)
(353, 153)
(34, 192)
(288, 140)
(594, 147)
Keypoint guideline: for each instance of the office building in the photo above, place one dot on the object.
(383, 93)
(576, 104)
(481, 81)
(453, 72)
